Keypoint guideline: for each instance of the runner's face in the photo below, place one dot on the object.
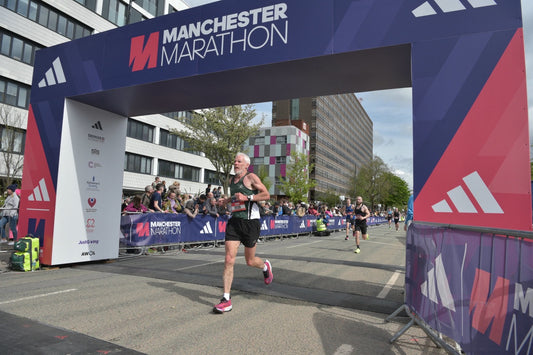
(359, 200)
(240, 166)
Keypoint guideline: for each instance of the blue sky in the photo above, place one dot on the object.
(391, 111)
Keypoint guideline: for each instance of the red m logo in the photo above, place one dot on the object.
(143, 229)
(489, 309)
(141, 54)
(222, 226)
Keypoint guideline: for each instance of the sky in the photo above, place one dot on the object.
(391, 110)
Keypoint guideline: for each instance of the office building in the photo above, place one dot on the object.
(340, 137)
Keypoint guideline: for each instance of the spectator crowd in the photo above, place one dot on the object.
(158, 198)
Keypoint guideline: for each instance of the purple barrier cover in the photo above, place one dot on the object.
(161, 228)
(475, 288)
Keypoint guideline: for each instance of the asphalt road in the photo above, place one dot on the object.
(325, 299)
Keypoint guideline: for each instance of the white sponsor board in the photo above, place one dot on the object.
(88, 215)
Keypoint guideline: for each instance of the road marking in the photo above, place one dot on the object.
(389, 285)
(204, 264)
(299, 245)
(38, 296)
(344, 349)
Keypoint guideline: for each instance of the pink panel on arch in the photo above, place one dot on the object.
(489, 186)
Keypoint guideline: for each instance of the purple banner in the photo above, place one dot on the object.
(476, 288)
(159, 228)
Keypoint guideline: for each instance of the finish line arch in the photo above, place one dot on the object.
(463, 59)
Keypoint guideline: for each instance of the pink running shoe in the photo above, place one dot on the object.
(268, 273)
(223, 306)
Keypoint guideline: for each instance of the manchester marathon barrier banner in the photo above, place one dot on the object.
(161, 228)
(474, 287)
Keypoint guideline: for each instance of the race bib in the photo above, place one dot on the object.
(237, 206)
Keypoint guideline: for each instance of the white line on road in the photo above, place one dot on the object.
(299, 245)
(205, 264)
(344, 349)
(389, 285)
(38, 296)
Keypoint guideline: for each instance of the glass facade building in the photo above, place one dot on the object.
(340, 137)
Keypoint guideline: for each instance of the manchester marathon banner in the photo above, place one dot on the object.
(473, 287)
(158, 228)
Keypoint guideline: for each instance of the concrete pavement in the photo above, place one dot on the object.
(324, 300)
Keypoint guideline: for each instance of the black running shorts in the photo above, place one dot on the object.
(245, 231)
(362, 227)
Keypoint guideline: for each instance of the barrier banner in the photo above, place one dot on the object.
(161, 228)
(475, 288)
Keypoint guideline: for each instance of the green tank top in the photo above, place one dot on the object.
(250, 209)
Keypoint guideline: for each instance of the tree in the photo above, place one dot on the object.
(399, 193)
(372, 182)
(297, 183)
(11, 144)
(262, 173)
(220, 134)
(330, 198)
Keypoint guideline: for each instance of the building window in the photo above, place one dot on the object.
(117, 12)
(178, 171)
(48, 17)
(281, 140)
(170, 140)
(14, 94)
(139, 130)
(17, 48)
(137, 163)
(149, 5)
(211, 177)
(281, 160)
(259, 141)
(12, 140)
(90, 4)
(295, 109)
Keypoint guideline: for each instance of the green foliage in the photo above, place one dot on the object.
(372, 182)
(220, 133)
(297, 183)
(263, 175)
(399, 193)
(378, 185)
(330, 198)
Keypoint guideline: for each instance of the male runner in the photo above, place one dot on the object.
(361, 214)
(389, 217)
(243, 226)
(396, 219)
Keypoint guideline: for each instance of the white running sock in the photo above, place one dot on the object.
(226, 296)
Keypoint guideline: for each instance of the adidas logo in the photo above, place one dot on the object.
(207, 229)
(40, 193)
(426, 9)
(437, 285)
(97, 125)
(264, 226)
(302, 225)
(462, 202)
(54, 75)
